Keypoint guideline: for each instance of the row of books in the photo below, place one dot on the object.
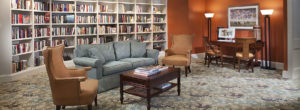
(86, 19)
(57, 42)
(148, 71)
(42, 32)
(143, 19)
(158, 19)
(158, 37)
(20, 18)
(106, 19)
(126, 29)
(63, 18)
(141, 9)
(21, 4)
(106, 39)
(86, 41)
(41, 19)
(19, 65)
(107, 29)
(158, 28)
(20, 48)
(39, 45)
(125, 38)
(41, 6)
(156, 10)
(21, 33)
(59, 31)
(141, 38)
(87, 30)
(63, 7)
(39, 60)
(104, 8)
(85, 8)
(143, 28)
(126, 19)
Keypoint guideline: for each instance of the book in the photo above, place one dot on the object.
(164, 86)
(70, 18)
(148, 71)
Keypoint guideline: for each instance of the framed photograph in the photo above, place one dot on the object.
(243, 17)
(227, 33)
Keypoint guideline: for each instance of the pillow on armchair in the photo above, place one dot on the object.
(138, 49)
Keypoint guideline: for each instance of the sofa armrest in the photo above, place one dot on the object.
(85, 62)
(152, 53)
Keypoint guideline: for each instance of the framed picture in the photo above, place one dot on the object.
(243, 17)
(227, 33)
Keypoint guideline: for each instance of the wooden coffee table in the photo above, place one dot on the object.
(146, 87)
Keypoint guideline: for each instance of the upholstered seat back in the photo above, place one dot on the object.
(181, 44)
(245, 42)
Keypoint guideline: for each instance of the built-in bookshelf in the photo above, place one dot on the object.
(40, 23)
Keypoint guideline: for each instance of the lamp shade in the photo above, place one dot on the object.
(267, 12)
(209, 15)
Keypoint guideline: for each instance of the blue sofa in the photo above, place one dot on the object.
(109, 60)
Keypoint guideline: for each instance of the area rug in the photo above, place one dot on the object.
(214, 88)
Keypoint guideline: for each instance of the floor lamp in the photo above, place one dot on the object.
(209, 16)
(267, 14)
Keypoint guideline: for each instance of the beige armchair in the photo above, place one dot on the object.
(69, 87)
(180, 52)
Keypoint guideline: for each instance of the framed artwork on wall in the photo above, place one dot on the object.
(243, 17)
(226, 33)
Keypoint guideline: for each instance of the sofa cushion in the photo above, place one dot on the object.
(138, 49)
(96, 53)
(83, 50)
(108, 52)
(138, 62)
(113, 67)
(122, 49)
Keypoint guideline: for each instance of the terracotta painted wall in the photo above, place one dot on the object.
(278, 32)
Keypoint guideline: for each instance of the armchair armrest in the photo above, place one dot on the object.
(152, 53)
(87, 62)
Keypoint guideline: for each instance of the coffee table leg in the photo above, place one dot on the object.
(148, 98)
(178, 85)
(121, 90)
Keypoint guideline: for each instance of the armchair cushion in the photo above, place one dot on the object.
(122, 49)
(84, 61)
(113, 67)
(177, 60)
(138, 49)
(97, 54)
(138, 62)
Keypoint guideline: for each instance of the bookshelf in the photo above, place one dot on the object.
(82, 22)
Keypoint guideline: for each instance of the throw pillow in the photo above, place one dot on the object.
(96, 53)
(138, 49)
(122, 49)
(107, 51)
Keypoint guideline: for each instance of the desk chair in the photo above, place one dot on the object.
(212, 52)
(247, 53)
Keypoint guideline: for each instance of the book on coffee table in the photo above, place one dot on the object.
(148, 71)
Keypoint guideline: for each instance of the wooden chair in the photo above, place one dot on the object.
(180, 52)
(212, 52)
(69, 87)
(247, 53)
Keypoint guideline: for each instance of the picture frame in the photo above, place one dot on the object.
(243, 17)
(227, 33)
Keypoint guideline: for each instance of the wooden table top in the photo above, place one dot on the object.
(130, 74)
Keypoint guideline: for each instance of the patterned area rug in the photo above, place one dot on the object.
(204, 88)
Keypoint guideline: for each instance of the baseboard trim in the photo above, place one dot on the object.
(28, 72)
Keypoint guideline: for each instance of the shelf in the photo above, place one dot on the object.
(106, 23)
(146, 41)
(63, 1)
(22, 39)
(159, 41)
(24, 10)
(142, 92)
(87, 1)
(86, 12)
(143, 13)
(159, 23)
(65, 24)
(159, 4)
(59, 36)
(21, 24)
(126, 13)
(127, 33)
(86, 23)
(107, 12)
(159, 32)
(142, 23)
(87, 35)
(143, 3)
(62, 12)
(108, 34)
(127, 3)
(40, 11)
(159, 13)
(45, 24)
(42, 37)
(107, 2)
(26, 53)
(126, 23)
(143, 32)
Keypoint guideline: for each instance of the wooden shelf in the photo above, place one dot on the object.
(26, 53)
(142, 92)
(21, 39)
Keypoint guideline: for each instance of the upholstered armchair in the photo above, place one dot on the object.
(69, 87)
(180, 52)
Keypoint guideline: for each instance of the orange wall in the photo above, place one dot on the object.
(187, 16)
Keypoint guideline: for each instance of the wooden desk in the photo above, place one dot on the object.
(228, 48)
